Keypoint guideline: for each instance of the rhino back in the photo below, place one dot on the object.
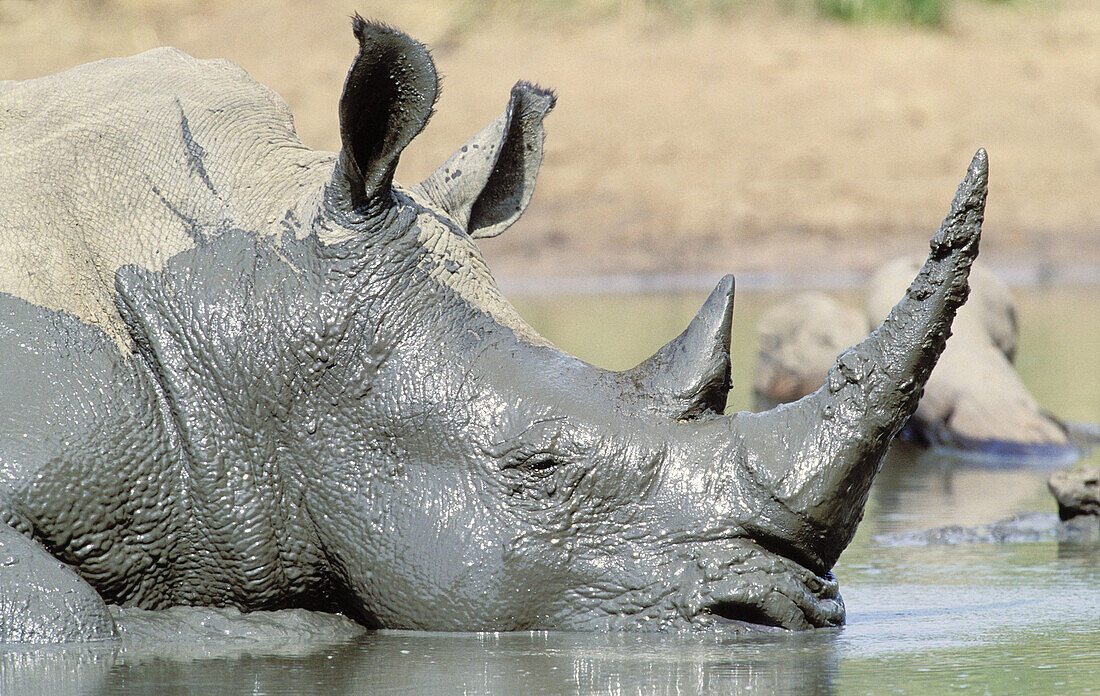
(132, 160)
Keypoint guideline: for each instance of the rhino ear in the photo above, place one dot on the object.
(488, 182)
(387, 100)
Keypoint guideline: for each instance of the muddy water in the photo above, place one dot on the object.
(974, 619)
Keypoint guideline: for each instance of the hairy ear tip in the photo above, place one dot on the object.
(358, 25)
(366, 30)
(375, 35)
(544, 97)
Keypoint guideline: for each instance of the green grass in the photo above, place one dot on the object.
(925, 13)
(929, 13)
(682, 10)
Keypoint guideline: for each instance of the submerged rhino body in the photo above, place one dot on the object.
(238, 372)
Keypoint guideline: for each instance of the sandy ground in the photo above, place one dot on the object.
(766, 141)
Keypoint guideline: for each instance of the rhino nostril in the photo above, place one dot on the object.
(740, 611)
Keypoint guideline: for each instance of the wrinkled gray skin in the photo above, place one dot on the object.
(44, 601)
(241, 373)
(973, 403)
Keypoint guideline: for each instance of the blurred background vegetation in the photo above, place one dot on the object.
(931, 13)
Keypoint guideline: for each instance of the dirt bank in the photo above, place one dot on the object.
(763, 141)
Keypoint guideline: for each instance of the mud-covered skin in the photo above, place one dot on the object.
(42, 600)
(339, 410)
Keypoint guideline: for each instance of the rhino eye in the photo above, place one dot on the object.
(538, 465)
(541, 466)
(540, 479)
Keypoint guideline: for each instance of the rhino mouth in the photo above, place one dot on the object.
(740, 612)
(758, 588)
(777, 607)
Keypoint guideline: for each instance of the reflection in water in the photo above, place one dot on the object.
(1000, 619)
(918, 489)
(400, 662)
(515, 663)
(549, 663)
(50, 671)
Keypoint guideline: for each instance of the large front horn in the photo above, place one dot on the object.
(814, 460)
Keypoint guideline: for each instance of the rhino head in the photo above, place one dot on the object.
(353, 417)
